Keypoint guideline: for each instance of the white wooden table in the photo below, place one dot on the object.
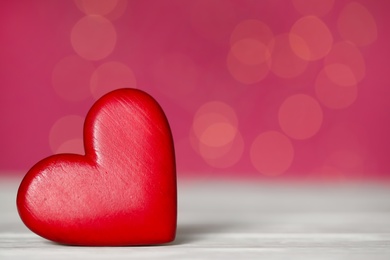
(239, 220)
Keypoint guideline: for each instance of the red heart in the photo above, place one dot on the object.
(121, 192)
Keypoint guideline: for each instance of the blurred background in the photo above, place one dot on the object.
(272, 89)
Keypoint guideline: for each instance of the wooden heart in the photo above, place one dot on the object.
(121, 192)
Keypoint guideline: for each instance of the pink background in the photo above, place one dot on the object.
(275, 89)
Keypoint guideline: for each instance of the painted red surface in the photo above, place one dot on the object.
(239, 80)
(121, 192)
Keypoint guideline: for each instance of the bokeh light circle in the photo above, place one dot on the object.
(271, 153)
(211, 113)
(333, 95)
(220, 156)
(284, 62)
(313, 7)
(229, 155)
(71, 76)
(248, 73)
(340, 74)
(300, 116)
(356, 24)
(109, 76)
(250, 51)
(205, 151)
(348, 54)
(214, 135)
(118, 11)
(66, 135)
(218, 134)
(310, 38)
(93, 37)
(71, 146)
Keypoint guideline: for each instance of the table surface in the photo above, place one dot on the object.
(239, 220)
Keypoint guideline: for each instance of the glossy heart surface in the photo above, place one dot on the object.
(121, 192)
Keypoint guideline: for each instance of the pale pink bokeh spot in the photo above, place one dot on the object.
(284, 62)
(356, 24)
(271, 153)
(93, 37)
(252, 29)
(300, 116)
(66, 133)
(348, 54)
(332, 92)
(245, 73)
(214, 135)
(314, 35)
(340, 74)
(109, 76)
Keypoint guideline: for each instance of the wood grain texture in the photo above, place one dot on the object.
(121, 192)
(240, 220)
